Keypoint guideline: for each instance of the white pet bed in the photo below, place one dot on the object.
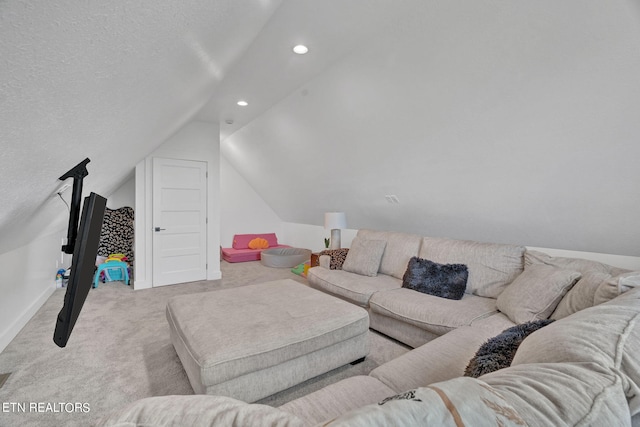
(284, 257)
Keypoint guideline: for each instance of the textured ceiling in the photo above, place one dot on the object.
(104, 80)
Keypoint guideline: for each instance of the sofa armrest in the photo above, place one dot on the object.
(197, 411)
(325, 261)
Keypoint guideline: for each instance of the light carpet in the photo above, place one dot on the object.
(120, 352)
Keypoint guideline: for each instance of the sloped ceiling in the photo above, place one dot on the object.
(497, 121)
(513, 122)
(104, 80)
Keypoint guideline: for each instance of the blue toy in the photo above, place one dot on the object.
(113, 270)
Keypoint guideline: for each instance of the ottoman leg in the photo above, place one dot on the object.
(355, 362)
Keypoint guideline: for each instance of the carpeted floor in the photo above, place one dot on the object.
(120, 351)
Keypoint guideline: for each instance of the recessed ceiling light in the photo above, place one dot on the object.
(300, 49)
(243, 103)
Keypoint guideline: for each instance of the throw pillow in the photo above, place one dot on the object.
(364, 257)
(440, 280)
(498, 352)
(581, 295)
(337, 257)
(536, 292)
(609, 289)
(258, 243)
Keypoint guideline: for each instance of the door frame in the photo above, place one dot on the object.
(143, 274)
(202, 168)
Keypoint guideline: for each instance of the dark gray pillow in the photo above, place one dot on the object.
(498, 352)
(441, 280)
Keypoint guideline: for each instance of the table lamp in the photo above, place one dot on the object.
(335, 221)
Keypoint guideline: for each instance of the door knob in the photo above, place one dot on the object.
(159, 229)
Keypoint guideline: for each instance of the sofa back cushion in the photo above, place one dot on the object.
(241, 241)
(491, 266)
(399, 249)
(599, 282)
(607, 334)
(577, 264)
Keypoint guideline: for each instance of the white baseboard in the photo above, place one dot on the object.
(141, 284)
(12, 331)
(214, 275)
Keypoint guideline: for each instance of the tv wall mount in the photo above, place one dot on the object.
(78, 172)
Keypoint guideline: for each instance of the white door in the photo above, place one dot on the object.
(179, 221)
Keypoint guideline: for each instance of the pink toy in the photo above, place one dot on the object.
(240, 251)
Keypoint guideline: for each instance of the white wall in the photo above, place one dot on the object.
(125, 195)
(197, 140)
(512, 122)
(242, 210)
(312, 236)
(27, 280)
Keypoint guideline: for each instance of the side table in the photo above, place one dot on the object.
(315, 259)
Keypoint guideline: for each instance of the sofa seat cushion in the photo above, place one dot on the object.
(607, 334)
(562, 394)
(398, 251)
(434, 314)
(242, 241)
(491, 266)
(337, 398)
(440, 359)
(349, 286)
(244, 255)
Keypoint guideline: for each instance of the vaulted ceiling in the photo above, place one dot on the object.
(500, 121)
(512, 122)
(104, 80)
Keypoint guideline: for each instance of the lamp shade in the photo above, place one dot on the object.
(335, 220)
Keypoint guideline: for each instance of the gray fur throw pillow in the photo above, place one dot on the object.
(441, 280)
(498, 352)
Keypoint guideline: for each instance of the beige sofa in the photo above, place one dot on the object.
(582, 369)
(416, 318)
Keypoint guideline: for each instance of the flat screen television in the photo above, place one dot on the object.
(82, 266)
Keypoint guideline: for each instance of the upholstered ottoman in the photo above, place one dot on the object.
(253, 341)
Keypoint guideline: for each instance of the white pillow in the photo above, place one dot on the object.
(364, 257)
(535, 293)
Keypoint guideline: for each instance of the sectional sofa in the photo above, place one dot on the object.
(582, 369)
